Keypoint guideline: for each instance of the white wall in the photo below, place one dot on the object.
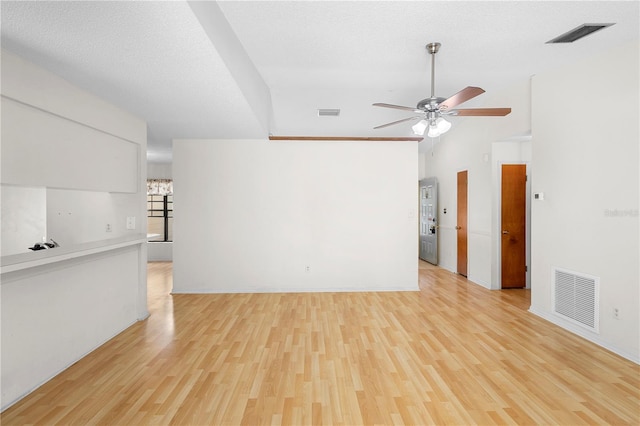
(69, 221)
(23, 216)
(67, 216)
(46, 91)
(253, 214)
(160, 251)
(421, 166)
(468, 146)
(82, 149)
(54, 313)
(52, 317)
(39, 142)
(585, 160)
(159, 171)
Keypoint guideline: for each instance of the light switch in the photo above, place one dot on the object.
(131, 222)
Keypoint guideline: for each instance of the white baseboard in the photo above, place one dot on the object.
(585, 334)
(292, 290)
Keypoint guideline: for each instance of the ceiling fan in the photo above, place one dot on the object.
(431, 110)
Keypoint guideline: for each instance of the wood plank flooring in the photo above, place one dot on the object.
(452, 353)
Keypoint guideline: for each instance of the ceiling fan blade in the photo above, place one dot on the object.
(484, 112)
(396, 122)
(464, 95)
(398, 107)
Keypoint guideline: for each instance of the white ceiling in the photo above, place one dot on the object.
(191, 74)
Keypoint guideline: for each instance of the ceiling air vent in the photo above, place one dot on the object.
(579, 32)
(328, 112)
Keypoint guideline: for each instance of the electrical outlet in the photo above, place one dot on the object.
(616, 313)
(307, 268)
(131, 222)
(108, 227)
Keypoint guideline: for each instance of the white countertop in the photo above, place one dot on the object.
(16, 262)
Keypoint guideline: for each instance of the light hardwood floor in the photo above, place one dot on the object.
(452, 353)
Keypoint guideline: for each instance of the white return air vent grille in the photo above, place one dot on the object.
(576, 298)
(328, 112)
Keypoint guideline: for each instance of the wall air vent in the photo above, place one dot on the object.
(576, 298)
(578, 33)
(328, 112)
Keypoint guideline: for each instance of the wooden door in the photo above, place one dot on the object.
(513, 244)
(462, 223)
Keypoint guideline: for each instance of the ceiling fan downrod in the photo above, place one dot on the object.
(433, 49)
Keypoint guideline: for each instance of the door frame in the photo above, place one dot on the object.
(497, 229)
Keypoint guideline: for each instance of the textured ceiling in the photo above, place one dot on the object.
(164, 63)
(153, 59)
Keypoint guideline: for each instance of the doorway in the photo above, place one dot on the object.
(461, 226)
(513, 243)
(428, 220)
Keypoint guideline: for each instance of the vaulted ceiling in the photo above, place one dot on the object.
(247, 69)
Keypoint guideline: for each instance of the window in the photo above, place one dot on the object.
(160, 210)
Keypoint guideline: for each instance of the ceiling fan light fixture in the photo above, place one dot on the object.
(439, 127)
(420, 127)
(443, 125)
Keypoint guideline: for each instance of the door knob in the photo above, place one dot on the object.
(505, 232)
(458, 227)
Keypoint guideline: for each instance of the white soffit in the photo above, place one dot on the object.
(151, 58)
(155, 59)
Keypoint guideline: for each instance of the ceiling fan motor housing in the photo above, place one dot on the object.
(430, 104)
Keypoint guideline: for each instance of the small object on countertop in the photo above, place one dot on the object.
(44, 245)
